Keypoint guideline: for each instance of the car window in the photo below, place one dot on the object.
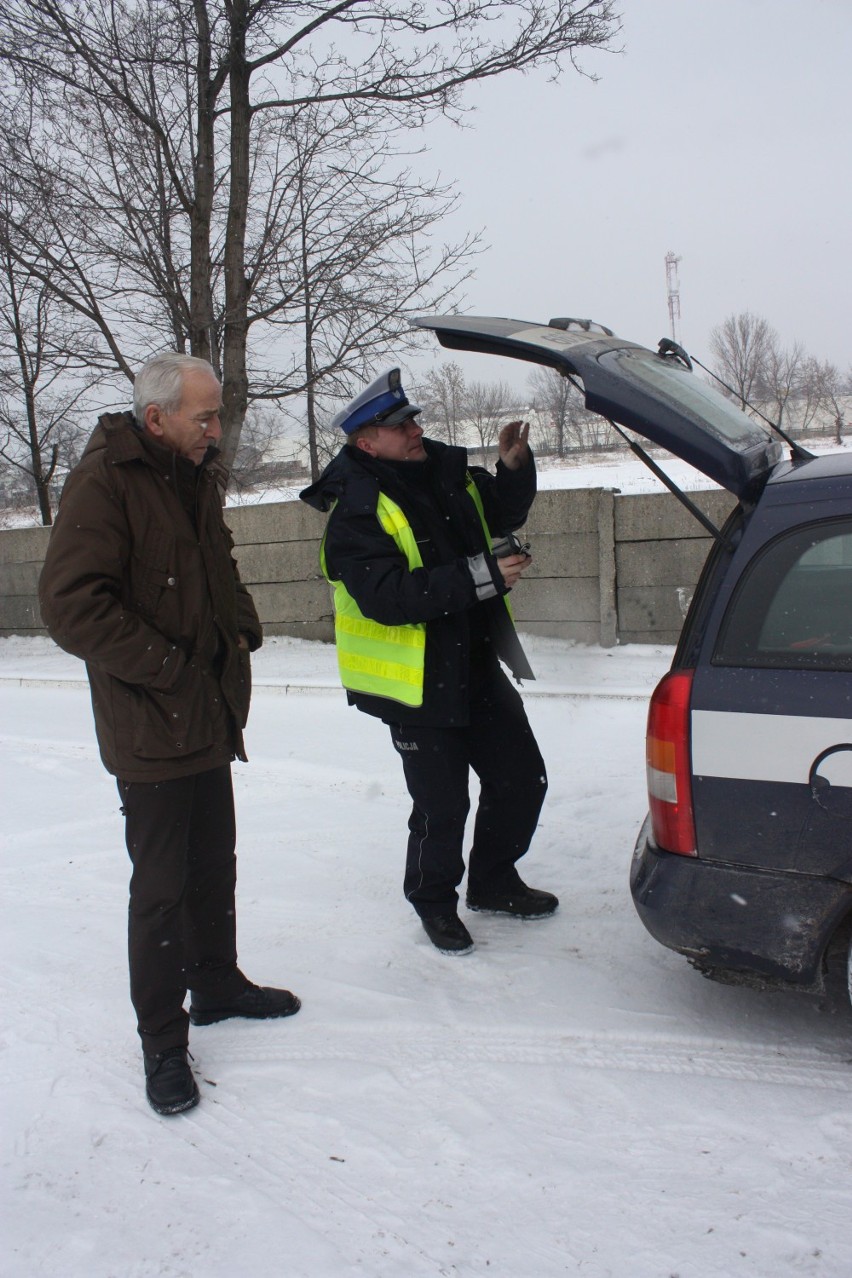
(697, 400)
(793, 606)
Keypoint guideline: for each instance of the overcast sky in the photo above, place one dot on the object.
(722, 133)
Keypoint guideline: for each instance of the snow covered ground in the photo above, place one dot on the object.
(568, 1099)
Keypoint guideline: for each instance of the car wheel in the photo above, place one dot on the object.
(849, 970)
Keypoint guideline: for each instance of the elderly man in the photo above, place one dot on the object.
(139, 581)
(421, 623)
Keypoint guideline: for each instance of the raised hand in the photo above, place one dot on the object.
(513, 446)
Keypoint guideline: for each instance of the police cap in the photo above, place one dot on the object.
(382, 403)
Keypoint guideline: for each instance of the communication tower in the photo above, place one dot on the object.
(673, 289)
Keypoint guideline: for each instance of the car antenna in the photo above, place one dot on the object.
(669, 349)
(637, 448)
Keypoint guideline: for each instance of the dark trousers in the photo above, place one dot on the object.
(500, 747)
(181, 836)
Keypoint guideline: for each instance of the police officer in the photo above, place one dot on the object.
(421, 624)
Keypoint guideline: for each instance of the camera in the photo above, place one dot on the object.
(509, 544)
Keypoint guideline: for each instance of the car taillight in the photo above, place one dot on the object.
(668, 761)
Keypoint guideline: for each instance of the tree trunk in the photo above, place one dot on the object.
(235, 325)
(312, 434)
(40, 480)
(313, 449)
(42, 487)
(202, 320)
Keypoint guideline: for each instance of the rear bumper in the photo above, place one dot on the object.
(728, 919)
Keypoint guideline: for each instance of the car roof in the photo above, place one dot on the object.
(826, 466)
(653, 393)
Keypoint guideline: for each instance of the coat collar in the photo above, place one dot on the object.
(125, 441)
(352, 465)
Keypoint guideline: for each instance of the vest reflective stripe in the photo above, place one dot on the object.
(473, 492)
(394, 522)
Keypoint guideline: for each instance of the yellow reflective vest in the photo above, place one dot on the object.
(386, 661)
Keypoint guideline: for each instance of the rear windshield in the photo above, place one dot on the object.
(695, 399)
(793, 606)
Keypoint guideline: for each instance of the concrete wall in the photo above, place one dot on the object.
(607, 567)
(660, 549)
(21, 556)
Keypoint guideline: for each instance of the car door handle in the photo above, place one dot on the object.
(831, 786)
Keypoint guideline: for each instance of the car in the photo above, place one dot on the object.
(744, 861)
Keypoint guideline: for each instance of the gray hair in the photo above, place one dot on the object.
(160, 382)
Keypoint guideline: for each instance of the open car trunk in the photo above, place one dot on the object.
(653, 393)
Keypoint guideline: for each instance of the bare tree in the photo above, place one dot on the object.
(442, 397)
(365, 261)
(570, 425)
(42, 379)
(807, 402)
(554, 397)
(329, 439)
(784, 382)
(781, 383)
(152, 134)
(742, 347)
(831, 390)
(486, 409)
(589, 433)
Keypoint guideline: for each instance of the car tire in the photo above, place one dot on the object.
(849, 970)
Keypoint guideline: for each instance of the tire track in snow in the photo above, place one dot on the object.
(655, 1054)
(333, 688)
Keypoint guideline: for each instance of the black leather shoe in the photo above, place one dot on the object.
(169, 1084)
(520, 901)
(448, 934)
(256, 1002)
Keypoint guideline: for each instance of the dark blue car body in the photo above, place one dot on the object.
(768, 895)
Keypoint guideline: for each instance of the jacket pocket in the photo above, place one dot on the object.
(150, 586)
(150, 575)
(172, 725)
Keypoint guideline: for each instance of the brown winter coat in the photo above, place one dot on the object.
(139, 581)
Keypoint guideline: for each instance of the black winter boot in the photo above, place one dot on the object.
(448, 934)
(169, 1084)
(256, 1002)
(517, 899)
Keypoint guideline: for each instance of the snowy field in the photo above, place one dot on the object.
(619, 470)
(568, 1099)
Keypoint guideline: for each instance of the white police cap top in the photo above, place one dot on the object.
(383, 403)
